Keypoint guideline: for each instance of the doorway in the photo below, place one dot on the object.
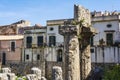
(3, 58)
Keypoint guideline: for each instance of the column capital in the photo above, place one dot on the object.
(69, 29)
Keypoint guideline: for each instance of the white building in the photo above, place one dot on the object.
(42, 43)
(108, 27)
(34, 42)
(54, 41)
(105, 43)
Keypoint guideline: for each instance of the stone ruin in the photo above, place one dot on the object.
(6, 74)
(36, 71)
(77, 59)
(57, 73)
(35, 75)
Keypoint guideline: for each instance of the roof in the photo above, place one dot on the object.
(33, 27)
(11, 37)
(57, 22)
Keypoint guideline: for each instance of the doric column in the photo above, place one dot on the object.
(85, 55)
(83, 16)
(71, 52)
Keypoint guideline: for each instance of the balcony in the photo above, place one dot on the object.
(44, 45)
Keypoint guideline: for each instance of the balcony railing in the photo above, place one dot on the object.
(41, 45)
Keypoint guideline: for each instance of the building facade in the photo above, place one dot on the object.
(105, 44)
(34, 43)
(42, 43)
(54, 41)
(11, 42)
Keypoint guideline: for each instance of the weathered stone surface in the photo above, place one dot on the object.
(6, 70)
(31, 77)
(77, 60)
(36, 71)
(7, 76)
(11, 76)
(82, 14)
(43, 78)
(57, 73)
(72, 57)
(71, 54)
(3, 76)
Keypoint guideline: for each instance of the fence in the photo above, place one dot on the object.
(105, 54)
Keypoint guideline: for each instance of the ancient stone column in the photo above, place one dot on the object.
(85, 56)
(83, 16)
(71, 52)
(56, 73)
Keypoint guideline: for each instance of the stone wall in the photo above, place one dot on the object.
(48, 69)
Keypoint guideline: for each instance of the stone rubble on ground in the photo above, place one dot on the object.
(43, 78)
(57, 73)
(7, 75)
(36, 71)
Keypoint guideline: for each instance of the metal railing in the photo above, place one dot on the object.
(43, 45)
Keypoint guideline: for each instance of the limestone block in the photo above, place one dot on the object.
(11, 76)
(57, 73)
(31, 77)
(36, 71)
(82, 14)
(43, 78)
(6, 70)
(3, 76)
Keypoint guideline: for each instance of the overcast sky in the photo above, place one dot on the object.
(38, 11)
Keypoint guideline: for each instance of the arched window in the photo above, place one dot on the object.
(59, 55)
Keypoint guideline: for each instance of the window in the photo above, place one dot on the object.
(59, 55)
(91, 41)
(38, 57)
(40, 41)
(92, 50)
(52, 40)
(29, 42)
(51, 29)
(109, 25)
(13, 46)
(27, 57)
(109, 39)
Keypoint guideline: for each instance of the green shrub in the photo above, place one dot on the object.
(112, 73)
